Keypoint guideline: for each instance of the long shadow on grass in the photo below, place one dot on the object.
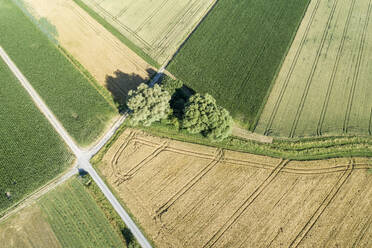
(121, 83)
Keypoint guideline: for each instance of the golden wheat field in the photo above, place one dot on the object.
(187, 195)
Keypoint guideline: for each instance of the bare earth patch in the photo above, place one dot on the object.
(187, 195)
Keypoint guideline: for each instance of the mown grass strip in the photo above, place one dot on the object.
(31, 152)
(76, 219)
(80, 108)
(295, 149)
(118, 35)
(236, 52)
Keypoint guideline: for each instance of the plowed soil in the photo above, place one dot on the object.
(187, 195)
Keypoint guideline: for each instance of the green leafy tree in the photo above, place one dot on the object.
(171, 85)
(203, 115)
(148, 104)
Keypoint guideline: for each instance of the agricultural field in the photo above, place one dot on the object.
(112, 64)
(65, 217)
(187, 195)
(156, 27)
(324, 86)
(69, 94)
(236, 52)
(31, 152)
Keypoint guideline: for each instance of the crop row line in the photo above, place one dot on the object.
(291, 69)
(357, 70)
(313, 69)
(326, 202)
(335, 70)
(236, 215)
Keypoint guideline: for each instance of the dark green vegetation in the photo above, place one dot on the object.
(81, 109)
(76, 219)
(113, 217)
(301, 149)
(203, 115)
(148, 104)
(31, 152)
(235, 53)
(118, 35)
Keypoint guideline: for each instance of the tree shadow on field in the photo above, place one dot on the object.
(121, 83)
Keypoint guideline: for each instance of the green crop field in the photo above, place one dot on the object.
(156, 27)
(31, 152)
(325, 84)
(236, 52)
(76, 103)
(65, 217)
(76, 219)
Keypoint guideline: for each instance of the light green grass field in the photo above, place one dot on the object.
(325, 84)
(76, 219)
(76, 103)
(236, 52)
(156, 27)
(31, 152)
(65, 217)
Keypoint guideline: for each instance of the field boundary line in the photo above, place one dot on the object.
(27, 201)
(313, 70)
(251, 198)
(291, 69)
(83, 157)
(103, 11)
(357, 70)
(334, 70)
(165, 207)
(326, 202)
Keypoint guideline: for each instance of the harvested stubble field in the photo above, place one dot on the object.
(96, 49)
(65, 217)
(324, 86)
(31, 152)
(157, 27)
(76, 103)
(236, 52)
(187, 195)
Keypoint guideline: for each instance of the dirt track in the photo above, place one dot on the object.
(112, 63)
(186, 195)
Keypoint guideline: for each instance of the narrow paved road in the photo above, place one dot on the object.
(83, 157)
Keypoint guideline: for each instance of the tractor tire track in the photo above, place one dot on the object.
(246, 204)
(313, 69)
(357, 70)
(326, 202)
(334, 70)
(129, 174)
(291, 69)
(164, 208)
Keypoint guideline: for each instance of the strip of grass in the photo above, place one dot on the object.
(237, 51)
(118, 35)
(81, 109)
(76, 219)
(31, 152)
(301, 150)
(110, 213)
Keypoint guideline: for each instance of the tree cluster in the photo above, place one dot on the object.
(181, 107)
